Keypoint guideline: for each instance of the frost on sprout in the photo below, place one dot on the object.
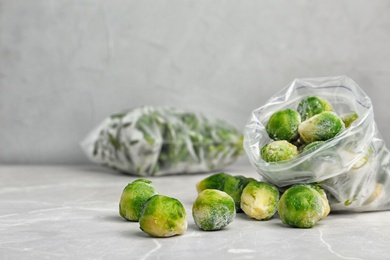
(313, 105)
(278, 151)
(213, 210)
(283, 125)
(320, 127)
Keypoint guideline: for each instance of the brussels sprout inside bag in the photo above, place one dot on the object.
(353, 167)
(147, 141)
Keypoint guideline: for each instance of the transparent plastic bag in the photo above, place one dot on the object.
(353, 167)
(149, 141)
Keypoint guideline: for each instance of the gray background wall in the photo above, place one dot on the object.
(65, 65)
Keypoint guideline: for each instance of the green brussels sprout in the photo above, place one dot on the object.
(215, 181)
(283, 125)
(163, 216)
(321, 127)
(325, 202)
(349, 118)
(232, 185)
(259, 200)
(278, 151)
(312, 146)
(133, 198)
(311, 106)
(213, 210)
(301, 206)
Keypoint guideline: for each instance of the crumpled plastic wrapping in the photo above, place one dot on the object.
(149, 141)
(353, 167)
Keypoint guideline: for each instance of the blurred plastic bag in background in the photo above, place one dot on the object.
(353, 167)
(148, 141)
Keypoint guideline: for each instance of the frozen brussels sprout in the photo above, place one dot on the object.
(232, 185)
(349, 118)
(215, 181)
(213, 210)
(325, 202)
(133, 198)
(301, 206)
(259, 200)
(312, 146)
(163, 216)
(278, 151)
(311, 106)
(321, 127)
(283, 125)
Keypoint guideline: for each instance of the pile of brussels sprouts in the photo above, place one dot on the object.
(220, 197)
(299, 206)
(294, 131)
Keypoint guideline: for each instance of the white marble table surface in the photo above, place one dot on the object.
(71, 212)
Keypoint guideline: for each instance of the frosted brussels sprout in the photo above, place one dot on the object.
(301, 206)
(133, 198)
(321, 127)
(278, 151)
(259, 200)
(283, 125)
(163, 216)
(232, 185)
(311, 106)
(349, 118)
(213, 210)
